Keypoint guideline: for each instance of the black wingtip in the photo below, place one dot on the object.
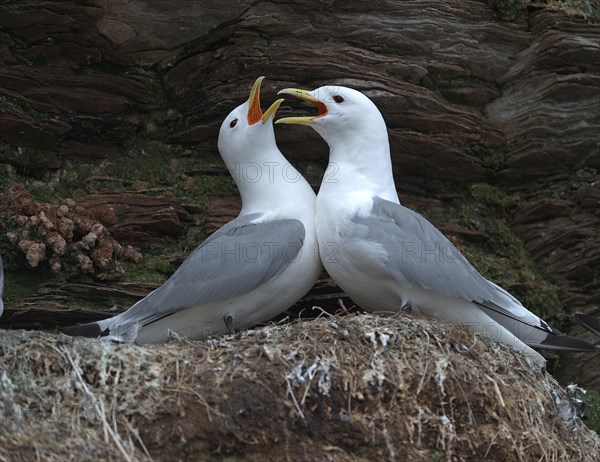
(590, 323)
(566, 343)
(90, 330)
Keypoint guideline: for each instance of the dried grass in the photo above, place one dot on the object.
(357, 387)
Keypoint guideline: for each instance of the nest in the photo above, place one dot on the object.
(359, 387)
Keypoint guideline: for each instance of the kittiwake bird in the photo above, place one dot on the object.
(387, 257)
(249, 270)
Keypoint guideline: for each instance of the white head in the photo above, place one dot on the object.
(354, 129)
(246, 134)
(345, 115)
(265, 179)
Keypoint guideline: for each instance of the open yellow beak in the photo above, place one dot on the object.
(305, 95)
(255, 113)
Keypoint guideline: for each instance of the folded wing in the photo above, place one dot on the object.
(235, 260)
(418, 254)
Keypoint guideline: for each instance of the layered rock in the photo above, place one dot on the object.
(505, 95)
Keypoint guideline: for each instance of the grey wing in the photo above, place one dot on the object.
(418, 254)
(233, 261)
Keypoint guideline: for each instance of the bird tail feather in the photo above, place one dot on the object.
(565, 343)
(116, 332)
(89, 330)
(590, 323)
(536, 336)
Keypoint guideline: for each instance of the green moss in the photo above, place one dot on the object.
(155, 167)
(142, 161)
(543, 298)
(503, 257)
(45, 184)
(150, 269)
(437, 456)
(60, 185)
(590, 10)
(592, 399)
(194, 236)
(31, 161)
(223, 184)
(20, 284)
(492, 155)
(488, 195)
(22, 107)
(508, 10)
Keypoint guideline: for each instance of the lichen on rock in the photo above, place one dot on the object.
(62, 235)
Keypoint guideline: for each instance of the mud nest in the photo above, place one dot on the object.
(358, 387)
(63, 235)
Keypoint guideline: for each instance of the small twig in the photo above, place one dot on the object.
(282, 321)
(342, 306)
(490, 445)
(291, 392)
(137, 437)
(322, 312)
(195, 393)
(98, 405)
(468, 348)
(497, 389)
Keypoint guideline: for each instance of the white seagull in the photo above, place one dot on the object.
(252, 268)
(387, 257)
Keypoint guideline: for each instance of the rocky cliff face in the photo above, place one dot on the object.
(114, 105)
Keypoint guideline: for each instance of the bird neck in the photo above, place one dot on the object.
(361, 162)
(269, 182)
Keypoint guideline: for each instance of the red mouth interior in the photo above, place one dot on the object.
(254, 111)
(322, 108)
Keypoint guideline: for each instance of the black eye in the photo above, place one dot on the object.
(338, 99)
(233, 123)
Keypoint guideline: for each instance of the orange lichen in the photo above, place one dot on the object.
(51, 233)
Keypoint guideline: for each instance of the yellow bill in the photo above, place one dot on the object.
(304, 95)
(255, 113)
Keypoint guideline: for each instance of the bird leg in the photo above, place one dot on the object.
(228, 319)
